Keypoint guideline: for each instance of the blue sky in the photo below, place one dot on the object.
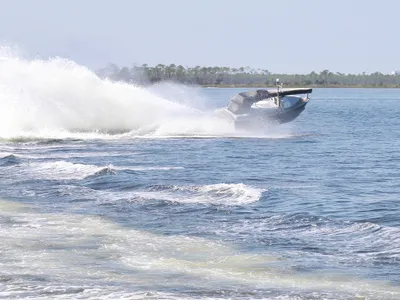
(290, 36)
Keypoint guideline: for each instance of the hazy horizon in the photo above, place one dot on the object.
(280, 36)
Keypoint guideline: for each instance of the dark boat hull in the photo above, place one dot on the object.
(288, 116)
(258, 119)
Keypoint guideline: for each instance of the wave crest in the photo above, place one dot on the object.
(222, 193)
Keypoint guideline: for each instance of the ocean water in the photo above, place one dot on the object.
(110, 191)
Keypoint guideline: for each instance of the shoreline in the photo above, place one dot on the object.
(304, 86)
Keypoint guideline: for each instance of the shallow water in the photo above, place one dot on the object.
(183, 207)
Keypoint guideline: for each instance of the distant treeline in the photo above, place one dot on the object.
(244, 76)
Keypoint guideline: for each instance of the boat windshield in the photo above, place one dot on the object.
(288, 102)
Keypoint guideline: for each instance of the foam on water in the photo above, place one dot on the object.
(61, 170)
(64, 170)
(67, 255)
(215, 194)
(225, 194)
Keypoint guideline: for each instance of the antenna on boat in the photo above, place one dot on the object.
(277, 83)
(278, 87)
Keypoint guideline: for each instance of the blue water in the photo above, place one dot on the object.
(305, 210)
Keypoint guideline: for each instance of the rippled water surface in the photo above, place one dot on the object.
(187, 208)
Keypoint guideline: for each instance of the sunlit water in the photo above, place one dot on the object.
(109, 191)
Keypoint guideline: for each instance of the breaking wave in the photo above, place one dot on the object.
(64, 170)
(222, 193)
(8, 160)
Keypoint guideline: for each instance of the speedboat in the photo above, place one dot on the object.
(258, 108)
